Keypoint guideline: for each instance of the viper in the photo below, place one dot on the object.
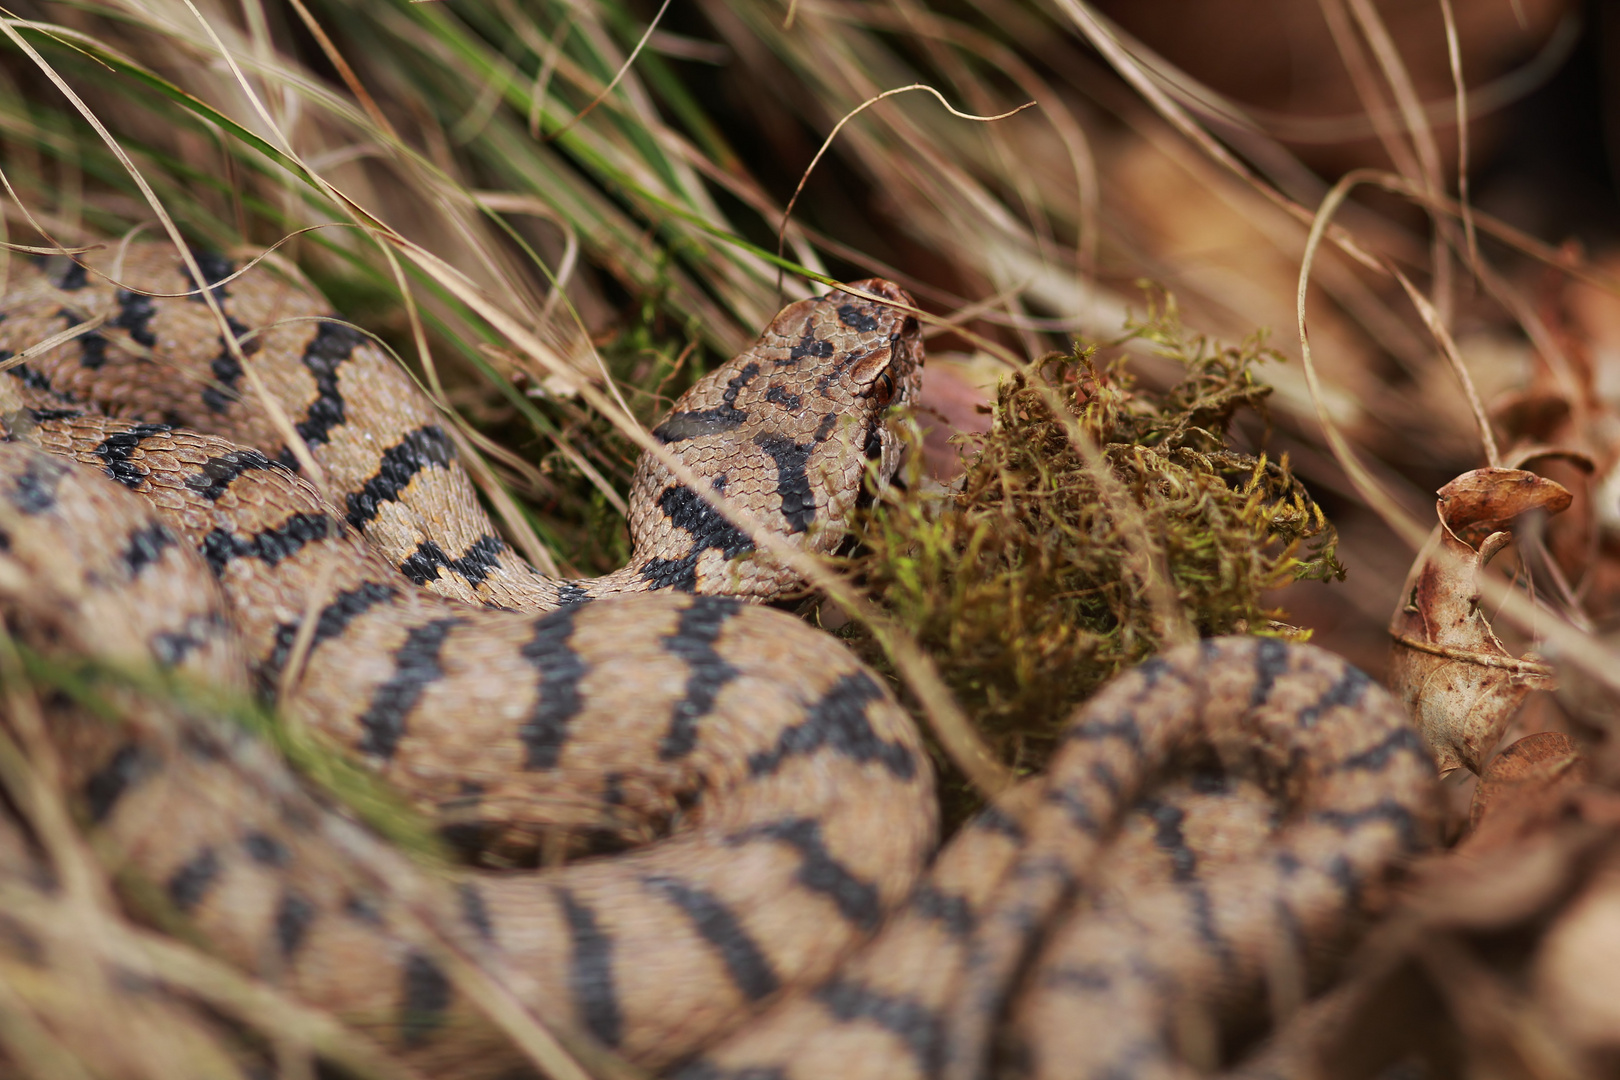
(1221, 813)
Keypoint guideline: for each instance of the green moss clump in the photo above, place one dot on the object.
(1031, 593)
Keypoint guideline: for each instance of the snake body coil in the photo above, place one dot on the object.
(780, 923)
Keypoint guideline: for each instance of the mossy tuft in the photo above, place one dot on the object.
(1030, 592)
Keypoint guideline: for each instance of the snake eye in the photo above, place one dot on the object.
(908, 327)
(883, 387)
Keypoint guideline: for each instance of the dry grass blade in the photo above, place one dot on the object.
(1098, 32)
(617, 75)
(1454, 61)
(221, 987)
(1417, 126)
(45, 345)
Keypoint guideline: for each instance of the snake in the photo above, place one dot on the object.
(758, 892)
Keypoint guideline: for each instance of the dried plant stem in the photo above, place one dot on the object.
(1571, 645)
(522, 532)
(1448, 346)
(30, 1044)
(1376, 108)
(826, 144)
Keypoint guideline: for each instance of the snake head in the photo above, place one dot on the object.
(786, 429)
(891, 377)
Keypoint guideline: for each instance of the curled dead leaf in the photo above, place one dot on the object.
(1485, 501)
(1457, 679)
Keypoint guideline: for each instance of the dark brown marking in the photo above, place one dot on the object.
(914, 1023)
(215, 268)
(809, 346)
(473, 910)
(293, 915)
(1385, 810)
(416, 666)
(117, 451)
(218, 473)
(716, 923)
(557, 697)
(424, 999)
(696, 631)
(227, 371)
(724, 417)
(73, 278)
(1074, 807)
(1346, 692)
(146, 546)
(838, 722)
(191, 882)
(135, 313)
(272, 545)
(169, 648)
(856, 900)
(265, 849)
(1270, 664)
(856, 318)
(778, 395)
(951, 911)
(92, 350)
(33, 490)
(424, 448)
(708, 530)
(1123, 727)
(792, 484)
(122, 771)
(327, 351)
(26, 375)
(334, 617)
(474, 564)
(590, 972)
(1403, 740)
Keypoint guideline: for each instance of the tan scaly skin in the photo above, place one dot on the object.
(797, 801)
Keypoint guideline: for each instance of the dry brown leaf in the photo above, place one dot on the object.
(1457, 679)
(1485, 501)
(1525, 787)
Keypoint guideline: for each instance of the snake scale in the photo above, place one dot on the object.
(1222, 814)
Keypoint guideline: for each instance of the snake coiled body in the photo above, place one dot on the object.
(783, 921)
